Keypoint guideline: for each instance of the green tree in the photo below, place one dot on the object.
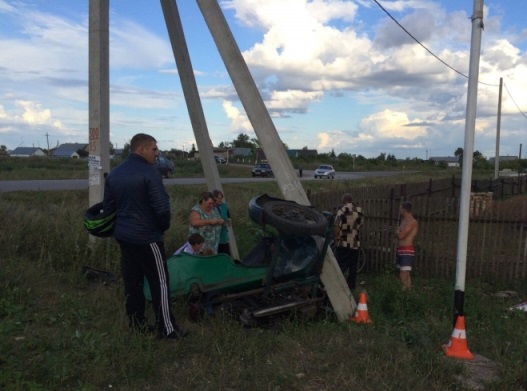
(243, 141)
(126, 151)
(459, 154)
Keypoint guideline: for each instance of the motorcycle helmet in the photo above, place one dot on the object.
(99, 222)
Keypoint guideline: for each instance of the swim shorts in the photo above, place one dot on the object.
(405, 257)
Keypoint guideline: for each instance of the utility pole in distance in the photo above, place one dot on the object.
(498, 126)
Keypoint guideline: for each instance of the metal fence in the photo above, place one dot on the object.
(497, 242)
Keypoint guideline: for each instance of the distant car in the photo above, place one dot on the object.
(219, 160)
(262, 170)
(325, 171)
(164, 166)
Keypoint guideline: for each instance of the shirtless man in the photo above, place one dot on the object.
(406, 233)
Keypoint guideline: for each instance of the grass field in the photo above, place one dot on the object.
(62, 331)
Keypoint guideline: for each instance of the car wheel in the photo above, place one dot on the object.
(168, 174)
(296, 219)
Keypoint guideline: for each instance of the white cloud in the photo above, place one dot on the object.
(239, 120)
(389, 125)
(33, 114)
(323, 140)
(292, 100)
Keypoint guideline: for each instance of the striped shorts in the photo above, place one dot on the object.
(405, 257)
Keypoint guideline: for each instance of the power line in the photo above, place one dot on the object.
(416, 40)
(518, 107)
(439, 59)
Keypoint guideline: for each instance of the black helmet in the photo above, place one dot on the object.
(99, 222)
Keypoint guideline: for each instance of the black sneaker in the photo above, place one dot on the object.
(176, 334)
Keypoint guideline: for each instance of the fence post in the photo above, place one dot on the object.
(403, 192)
(429, 197)
(391, 202)
(453, 186)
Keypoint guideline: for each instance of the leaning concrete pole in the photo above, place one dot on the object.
(290, 186)
(99, 99)
(195, 110)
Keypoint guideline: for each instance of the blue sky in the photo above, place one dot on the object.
(334, 74)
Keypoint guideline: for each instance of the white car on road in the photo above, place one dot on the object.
(325, 171)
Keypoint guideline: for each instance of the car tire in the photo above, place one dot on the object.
(168, 174)
(290, 218)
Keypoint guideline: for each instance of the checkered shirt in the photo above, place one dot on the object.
(349, 219)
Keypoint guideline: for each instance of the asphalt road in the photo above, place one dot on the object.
(80, 184)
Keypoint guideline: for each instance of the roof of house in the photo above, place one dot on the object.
(241, 151)
(68, 149)
(25, 151)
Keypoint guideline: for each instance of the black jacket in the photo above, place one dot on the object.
(135, 189)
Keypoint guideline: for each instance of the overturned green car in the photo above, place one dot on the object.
(279, 275)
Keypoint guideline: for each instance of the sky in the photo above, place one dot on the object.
(335, 75)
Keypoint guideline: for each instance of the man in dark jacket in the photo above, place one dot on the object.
(135, 190)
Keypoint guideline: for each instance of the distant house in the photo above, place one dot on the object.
(27, 152)
(304, 152)
(218, 151)
(69, 150)
(503, 159)
(245, 152)
(451, 161)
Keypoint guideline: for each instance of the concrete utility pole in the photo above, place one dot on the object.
(288, 182)
(468, 152)
(195, 110)
(99, 99)
(498, 127)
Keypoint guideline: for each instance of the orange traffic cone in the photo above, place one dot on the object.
(457, 346)
(361, 315)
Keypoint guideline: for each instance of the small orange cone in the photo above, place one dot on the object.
(457, 346)
(361, 315)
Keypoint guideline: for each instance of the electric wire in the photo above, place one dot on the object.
(516, 104)
(439, 59)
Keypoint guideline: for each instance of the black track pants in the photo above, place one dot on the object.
(137, 262)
